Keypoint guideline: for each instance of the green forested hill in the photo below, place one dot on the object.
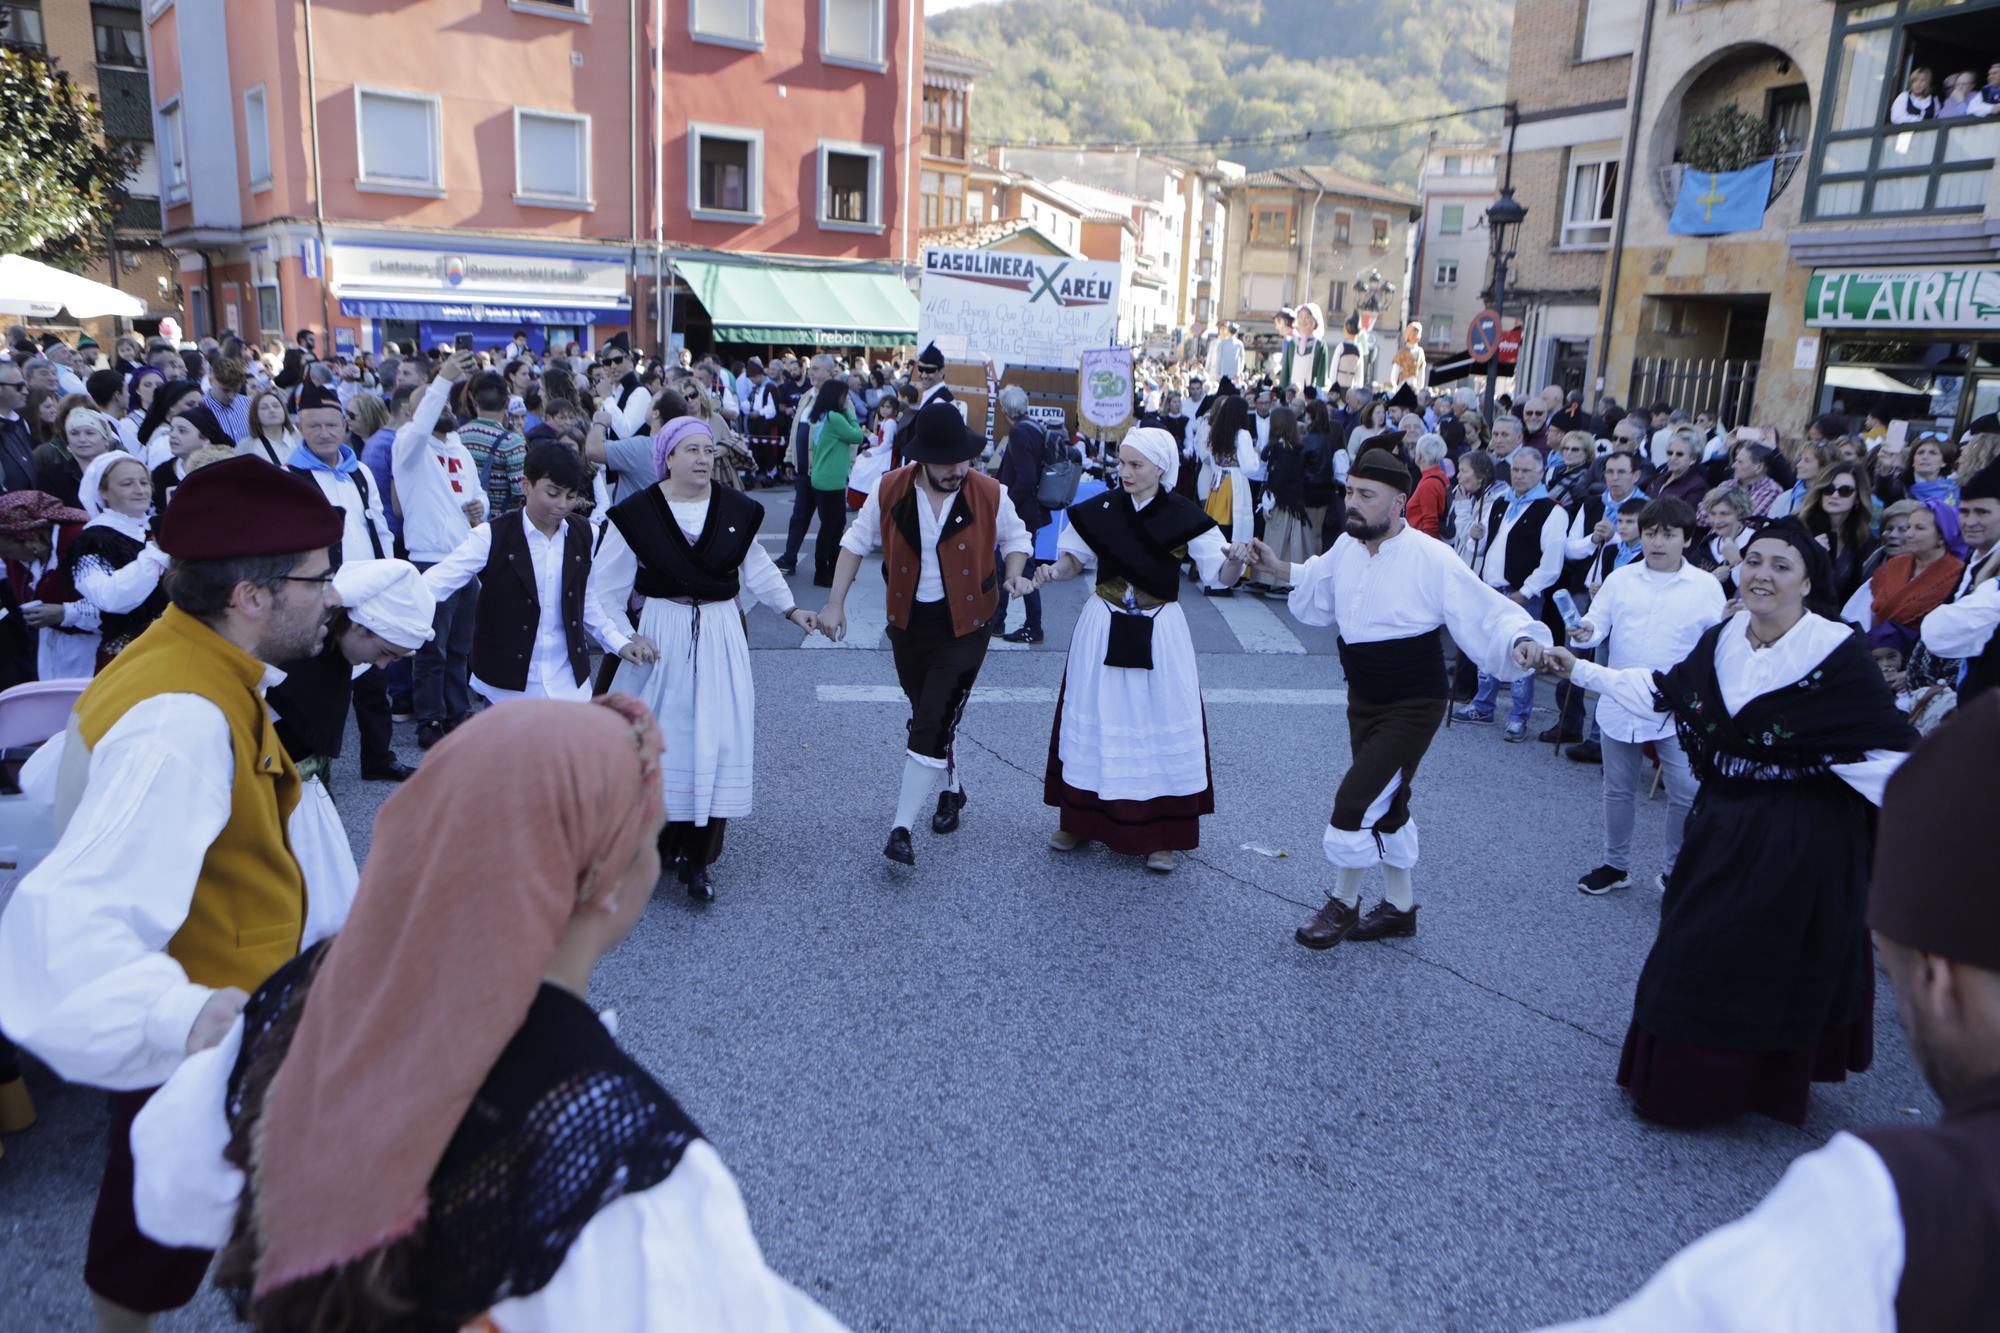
(1090, 71)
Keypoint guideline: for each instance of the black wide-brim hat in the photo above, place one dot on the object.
(941, 437)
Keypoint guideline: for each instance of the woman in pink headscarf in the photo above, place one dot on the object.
(408, 1130)
(689, 547)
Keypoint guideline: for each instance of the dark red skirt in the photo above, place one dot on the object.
(1678, 1083)
(1131, 828)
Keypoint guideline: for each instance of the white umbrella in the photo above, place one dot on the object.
(37, 291)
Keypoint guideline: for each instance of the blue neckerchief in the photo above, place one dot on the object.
(1613, 508)
(306, 458)
(1519, 502)
(1627, 554)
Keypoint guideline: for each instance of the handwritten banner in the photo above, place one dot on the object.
(1017, 309)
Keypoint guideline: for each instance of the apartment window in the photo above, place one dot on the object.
(1592, 198)
(120, 41)
(850, 32)
(1272, 227)
(1447, 273)
(954, 200)
(257, 137)
(269, 319)
(850, 186)
(1610, 28)
(1451, 220)
(24, 23)
(1336, 298)
(1267, 291)
(173, 152)
(928, 200)
(399, 136)
(1865, 165)
(975, 206)
(725, 173)
(1438, 331)
(1454, 166)
(727, 22)
(551, 159)
(1378, 237)
(1343, 228)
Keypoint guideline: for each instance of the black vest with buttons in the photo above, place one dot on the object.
(509, 614)
(1524, 541)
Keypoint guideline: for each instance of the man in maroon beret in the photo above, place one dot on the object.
(1895, 1227)
(172, 891)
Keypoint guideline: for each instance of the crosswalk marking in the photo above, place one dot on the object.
(1043, 694)
(1256, 626)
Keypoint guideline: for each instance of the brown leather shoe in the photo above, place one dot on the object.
(1334, 923)
(1384, 922)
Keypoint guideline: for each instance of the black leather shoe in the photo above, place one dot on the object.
(393, 771)
(1551, 736)
(787, 566)
(1024, 635)
(1333, 923)
(1587, 752)
(698, 885)
(898, 847)
(429, 734)
(946, 818)
(1384, 922)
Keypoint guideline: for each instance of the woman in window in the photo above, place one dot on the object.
(1916, 103)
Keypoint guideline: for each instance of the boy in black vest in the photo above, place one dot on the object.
(533, 624)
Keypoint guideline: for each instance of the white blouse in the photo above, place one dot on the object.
(1205, 549)
(615, 566)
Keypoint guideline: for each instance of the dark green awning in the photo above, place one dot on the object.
(767, 303)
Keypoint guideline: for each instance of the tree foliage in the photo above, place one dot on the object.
(1182, 71)
(1728, 139)
(60, 181)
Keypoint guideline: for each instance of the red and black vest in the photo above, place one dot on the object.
(509, 613)
(965, 549)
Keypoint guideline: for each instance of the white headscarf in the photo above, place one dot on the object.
(87, 414)
(389, 597)
(89, 494)
(1160, 450)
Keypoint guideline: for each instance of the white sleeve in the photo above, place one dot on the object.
(1629, 687)
(1070, 542)
(1963, 628)
(630, 420)
(1823, 1251)
(1206, 552)
(1602, 616)
(681, 1255)
(81, 615)
(612, 571)
(84, 983)
(766, 581)
(122, 589)
(1860, 608)
(1871, 774)
(1578, 544)
(864, 533)
(423, 420)
(1483, 621)
(459, 568)
(1009, 532)
(184, 1192)
(1554, 537)
(1311, 602)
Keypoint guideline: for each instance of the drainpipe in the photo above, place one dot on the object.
(909, 97)
(632, 44)
(660, 318)
(1312, 224)
(1610, 293)
(319, 195)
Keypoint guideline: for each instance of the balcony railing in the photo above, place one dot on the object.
(1934, 167)
(1784, 166)
(945, 143)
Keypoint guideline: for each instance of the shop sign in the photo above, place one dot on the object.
(1904, 298)
(1017, 309)
(361, 269)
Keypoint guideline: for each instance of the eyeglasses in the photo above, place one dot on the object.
(1842, 490)
(300, 578)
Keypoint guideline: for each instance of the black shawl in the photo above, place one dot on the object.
(1141, 546)
(705, 570)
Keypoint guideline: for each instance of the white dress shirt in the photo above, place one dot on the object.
(1962, 628)
(549, 673)
(864, 534)
(1555, 541)
(627, 422)
(363, 515)
(1577, 545)
(1412, 584)
(1653, 621)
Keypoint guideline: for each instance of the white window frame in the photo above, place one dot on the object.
(173, 133)
(434, 190)
(1630, 19)
(584, 203)
(1438, 274)
(875, 64)
(1588, 157)
(753, 43)
(699, 130)
(874, 154)
(1444, 227)
(576, 12)
(252, 126)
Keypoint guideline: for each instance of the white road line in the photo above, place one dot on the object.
(1042, 694)
(1255, 625)
(867, 612)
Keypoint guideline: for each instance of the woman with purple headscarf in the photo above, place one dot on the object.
(689, 548)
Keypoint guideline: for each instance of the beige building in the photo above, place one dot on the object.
(1298, 234)
(1455, 187)
(1876, 271)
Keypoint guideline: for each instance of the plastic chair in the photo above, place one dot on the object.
(29, 715)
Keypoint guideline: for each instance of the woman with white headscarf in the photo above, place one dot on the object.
(115, 565)
(1128, 760)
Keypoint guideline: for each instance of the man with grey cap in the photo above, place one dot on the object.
(1894, 1227)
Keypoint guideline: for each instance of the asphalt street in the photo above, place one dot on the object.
(1017, 1089)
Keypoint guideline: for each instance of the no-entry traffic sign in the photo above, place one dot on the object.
(1482, 338)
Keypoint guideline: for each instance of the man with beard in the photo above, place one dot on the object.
(1388, 588)
(172, 892)
(939, 524)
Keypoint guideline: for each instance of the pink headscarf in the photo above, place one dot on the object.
(670, 437)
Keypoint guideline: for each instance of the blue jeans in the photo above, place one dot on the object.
(1521, 693)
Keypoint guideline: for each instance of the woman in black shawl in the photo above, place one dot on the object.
(1762, 981)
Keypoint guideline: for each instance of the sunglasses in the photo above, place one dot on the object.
(1842, 490)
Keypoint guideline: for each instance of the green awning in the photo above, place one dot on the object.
(765, 303)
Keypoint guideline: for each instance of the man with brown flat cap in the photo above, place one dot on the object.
(172, 891)
(1896, 1227)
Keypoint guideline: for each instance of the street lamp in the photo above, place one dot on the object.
(1503, 220)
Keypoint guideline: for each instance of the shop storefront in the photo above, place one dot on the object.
(763, 307)
(404, 292)
(1908, 344)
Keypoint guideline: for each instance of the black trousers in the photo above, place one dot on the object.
(697, 844)
(802, 517)
(831, 506)
(371, 719)
(936, 669)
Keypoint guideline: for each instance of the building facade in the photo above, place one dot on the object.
(946, 156)
(1454, 189)
(383, 171)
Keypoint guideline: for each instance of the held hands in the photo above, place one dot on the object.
(1528, 654)
(832, 621)
(212, 1024)
(1020, 585)
(1558, 662)
(1253, 552)
(803, 618)
(46, 616)
(640, 651)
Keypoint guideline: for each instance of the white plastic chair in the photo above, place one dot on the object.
(29, 715)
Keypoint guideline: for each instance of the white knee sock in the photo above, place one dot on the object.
(1396, 888)
(919, 780)
(1348, 889)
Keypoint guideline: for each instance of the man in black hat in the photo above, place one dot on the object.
(1896, 1226)
(624, 417)
(1388, 588)
(929, 378)
(939, 524)
(1963, 628)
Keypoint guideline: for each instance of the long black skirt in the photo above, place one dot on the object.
(1762, 980)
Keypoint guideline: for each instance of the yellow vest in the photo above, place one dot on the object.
(249, 905)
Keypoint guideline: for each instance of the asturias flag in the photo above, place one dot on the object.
(1714, 203)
